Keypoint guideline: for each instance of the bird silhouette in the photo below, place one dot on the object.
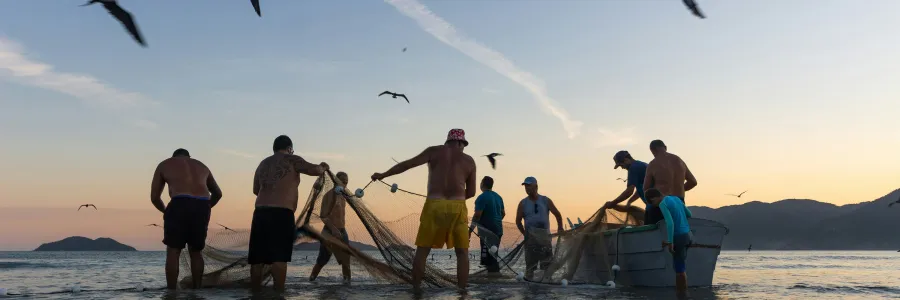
(404, 49)
(492, 160)
(226, 227)
(622, 179)
(123, 16)
(691, 5)
(256, 7)
(750, 248)
(394, 95)
(86, 205)
(738, 195)
(154, 224)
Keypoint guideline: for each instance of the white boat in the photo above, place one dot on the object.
(644, 262)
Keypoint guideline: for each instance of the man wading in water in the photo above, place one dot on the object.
(451, 180)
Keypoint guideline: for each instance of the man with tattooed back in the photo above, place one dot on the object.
(272, 231)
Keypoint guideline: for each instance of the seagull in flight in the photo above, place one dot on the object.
(492, 160)
(226, 228)
(256, 7)
(154, 225)
(87, 205)
(739, 195)
(691, 5)
(622, 179)
(404, 49)
(394, 95)
(123, 16)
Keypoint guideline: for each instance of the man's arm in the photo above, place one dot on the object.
(691, 181)
(256, 186)
(633, 198)
(470, 182)
(156, 189)
(403, 166)
(555, 212)
(475, 218)
(687, 212)
(479, 210)
(304, 167)
(628, 192)
(519, 217)
(214, 191)
(648, 178)
(670, 225)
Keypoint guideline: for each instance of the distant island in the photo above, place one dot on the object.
(801, 224)
(78, 243)
(314, 246)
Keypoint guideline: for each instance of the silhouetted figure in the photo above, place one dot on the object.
(123, 16)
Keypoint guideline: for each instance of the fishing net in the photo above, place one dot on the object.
(382, 226)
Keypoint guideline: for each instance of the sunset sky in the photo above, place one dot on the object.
(794, 99)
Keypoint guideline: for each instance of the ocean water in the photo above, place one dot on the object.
(739, 275)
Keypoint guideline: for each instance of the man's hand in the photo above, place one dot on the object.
(608, 204)
(377, 176)
(324, 167)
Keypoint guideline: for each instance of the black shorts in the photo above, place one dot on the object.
(272, 235)
(185, 222)
(324, 254)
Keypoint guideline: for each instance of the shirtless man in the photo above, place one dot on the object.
(668, 174)
(451, 180)
(333, 215)
(272, 231)
(194, 192)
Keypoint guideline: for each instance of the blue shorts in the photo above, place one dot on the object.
(680, 243)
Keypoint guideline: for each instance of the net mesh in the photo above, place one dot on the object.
(382, 227)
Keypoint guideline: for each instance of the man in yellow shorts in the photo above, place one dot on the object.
(451, 180)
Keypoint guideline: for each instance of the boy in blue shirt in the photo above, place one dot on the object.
(489, 213)
(678, 231)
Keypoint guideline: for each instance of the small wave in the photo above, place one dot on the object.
(862, 289)
(23, 265)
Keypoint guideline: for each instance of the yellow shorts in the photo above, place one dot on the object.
(443, 222)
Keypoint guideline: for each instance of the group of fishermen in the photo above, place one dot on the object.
(444, 218)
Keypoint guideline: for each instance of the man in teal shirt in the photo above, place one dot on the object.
(678, 231)
(489, 213)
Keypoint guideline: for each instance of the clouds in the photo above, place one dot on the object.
(446, 33)
(614, 138)
(16, 67)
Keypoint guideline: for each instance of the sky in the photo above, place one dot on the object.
(786, 99)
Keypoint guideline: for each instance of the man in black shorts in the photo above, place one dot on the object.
(333, 209)
(194, 192)
(273, 231)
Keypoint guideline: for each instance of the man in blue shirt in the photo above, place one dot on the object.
(678, 231)
(489, 213)
(634, 187)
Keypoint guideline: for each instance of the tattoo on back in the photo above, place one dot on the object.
(273, 169)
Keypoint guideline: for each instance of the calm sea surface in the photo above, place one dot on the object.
(739, 275)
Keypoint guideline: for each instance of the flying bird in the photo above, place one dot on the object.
(123, 16)
(691, 5)
(256, 7)
(394, 95)
(750, 248)
(892, 204)
(226, 228)
(154, 225)
(739, 195)
(86, 205)
(622, 179)
(492, 160)
(404, 49)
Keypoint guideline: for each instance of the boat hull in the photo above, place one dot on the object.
(642, 259)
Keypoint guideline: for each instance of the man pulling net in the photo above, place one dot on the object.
(451, 180)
